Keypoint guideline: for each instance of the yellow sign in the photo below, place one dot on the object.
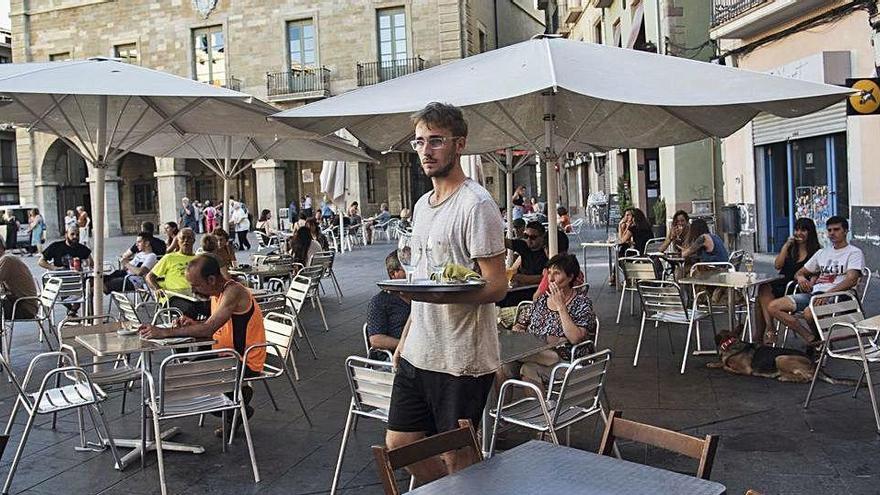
(867, 101)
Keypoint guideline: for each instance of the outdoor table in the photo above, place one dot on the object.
(262, 272)
(542, 467)
(187, 294)
(113, 344)
(732, 281)
(675, 260)
(513, 347)
(517, 294)
(611, 246)
(872, 323)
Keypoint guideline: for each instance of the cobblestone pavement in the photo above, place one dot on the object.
(768, 441)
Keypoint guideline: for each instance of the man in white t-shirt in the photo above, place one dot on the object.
(449, 351)
(834, 268)
(136, 269)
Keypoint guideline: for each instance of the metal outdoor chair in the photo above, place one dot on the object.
(314, 274)
(267, 243)
(43, 317)
(576, 398)
(271, 302)
(370, 382)
(279, 338)
(381, 230)
(634, 269)
(73, 287)
(703, 298)
(834, 314)
(653, 245)
(576, 229)
(78, 392)
(386, 354)
(702, 449)
(736, 258)
(196, 383)
(664, 302)
(325, 259)
(296, 295)
(387, 461)
(591, 342)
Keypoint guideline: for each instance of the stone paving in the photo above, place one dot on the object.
(768, 441)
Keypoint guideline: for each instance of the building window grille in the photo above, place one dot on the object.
(144, 197)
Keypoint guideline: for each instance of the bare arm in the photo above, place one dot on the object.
(45, 264)
(693, 248)
(849, 282)
(152, 281)
(779, 261)
(232, 302)
(381, 341)
(522, 279)
(494, 290)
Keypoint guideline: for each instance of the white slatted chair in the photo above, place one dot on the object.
(576, 399)
(834, 314)
(314, 274)
(78, 392)
(296, 295)
(663, 302)
(280, 330)
(370, 383)
(325, 259)
(73, 289)
(370, 350)
(196, 383)
(653, 245)
(634, 269)
(576, 231)
(43, 317)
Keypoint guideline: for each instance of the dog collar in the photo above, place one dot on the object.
(726, 343)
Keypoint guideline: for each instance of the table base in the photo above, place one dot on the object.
(135, 445)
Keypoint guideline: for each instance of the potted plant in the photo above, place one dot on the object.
(659, 209)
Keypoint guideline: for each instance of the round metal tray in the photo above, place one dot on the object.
(425, 285)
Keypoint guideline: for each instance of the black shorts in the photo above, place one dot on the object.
(433, 402)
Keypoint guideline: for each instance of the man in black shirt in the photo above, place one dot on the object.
(532, 252)
(59, 254)
(387, 313)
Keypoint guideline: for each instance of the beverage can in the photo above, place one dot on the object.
(76, 264)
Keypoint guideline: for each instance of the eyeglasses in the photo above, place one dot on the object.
(434, 143)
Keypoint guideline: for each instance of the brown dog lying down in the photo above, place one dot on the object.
(785, 365)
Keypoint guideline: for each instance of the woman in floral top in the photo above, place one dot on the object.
(562, 315)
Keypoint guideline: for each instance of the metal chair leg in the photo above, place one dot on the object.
(157, 437)
(18, 451)
(321, 310)
(871, 391)
(620, 303)
(345, 432)
(687, 345)
(296, 393)
(639, 342)
(104, 425)
(223, 430)
(815, 376)
(858, 384)
(250, 442)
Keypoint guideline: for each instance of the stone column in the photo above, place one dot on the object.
(45, 195)
(112, 211)
(171, 176)
(270, 188)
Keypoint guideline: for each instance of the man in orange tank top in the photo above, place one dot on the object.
(236, 321)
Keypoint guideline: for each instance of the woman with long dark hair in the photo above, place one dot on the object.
(795, 253)
(704, 245)
(633, 232)
(315, 230)
(302, 247)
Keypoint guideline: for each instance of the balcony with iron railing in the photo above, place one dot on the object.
(727, 10)
(375, 72)
(746, 18)
(299, 83)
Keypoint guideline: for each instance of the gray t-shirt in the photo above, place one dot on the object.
(457, 339)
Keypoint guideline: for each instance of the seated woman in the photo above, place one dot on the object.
(211, 244)
(315, 230)
(792, 257)
(703, 246)
(633, 232)
(563, 315)
(677, 235)
(563, 219)
(225, 250)
(302, 247)
(264, 224)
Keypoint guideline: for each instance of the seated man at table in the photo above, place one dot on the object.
(170, 274)
(236, 321)
(834, 268)
(16, 282)
(563, 315)
(135, 269)
(532, 250)
(60, 254)
(157, 245)
(387, 313)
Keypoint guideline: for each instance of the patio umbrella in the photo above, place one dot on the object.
(102, 108)
(333, 185)
(552, 94)
(229, 156)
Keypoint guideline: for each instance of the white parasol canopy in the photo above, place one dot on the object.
(102, 108)
(554, 95)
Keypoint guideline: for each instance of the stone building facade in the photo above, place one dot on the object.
(288, 52)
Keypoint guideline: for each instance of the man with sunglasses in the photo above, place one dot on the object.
(834, 268)
(532, 251)
(449, 351)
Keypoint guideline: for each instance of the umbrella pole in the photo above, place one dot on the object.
(98, 207)
(227, 167)
(550, 160)
(508, 175)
